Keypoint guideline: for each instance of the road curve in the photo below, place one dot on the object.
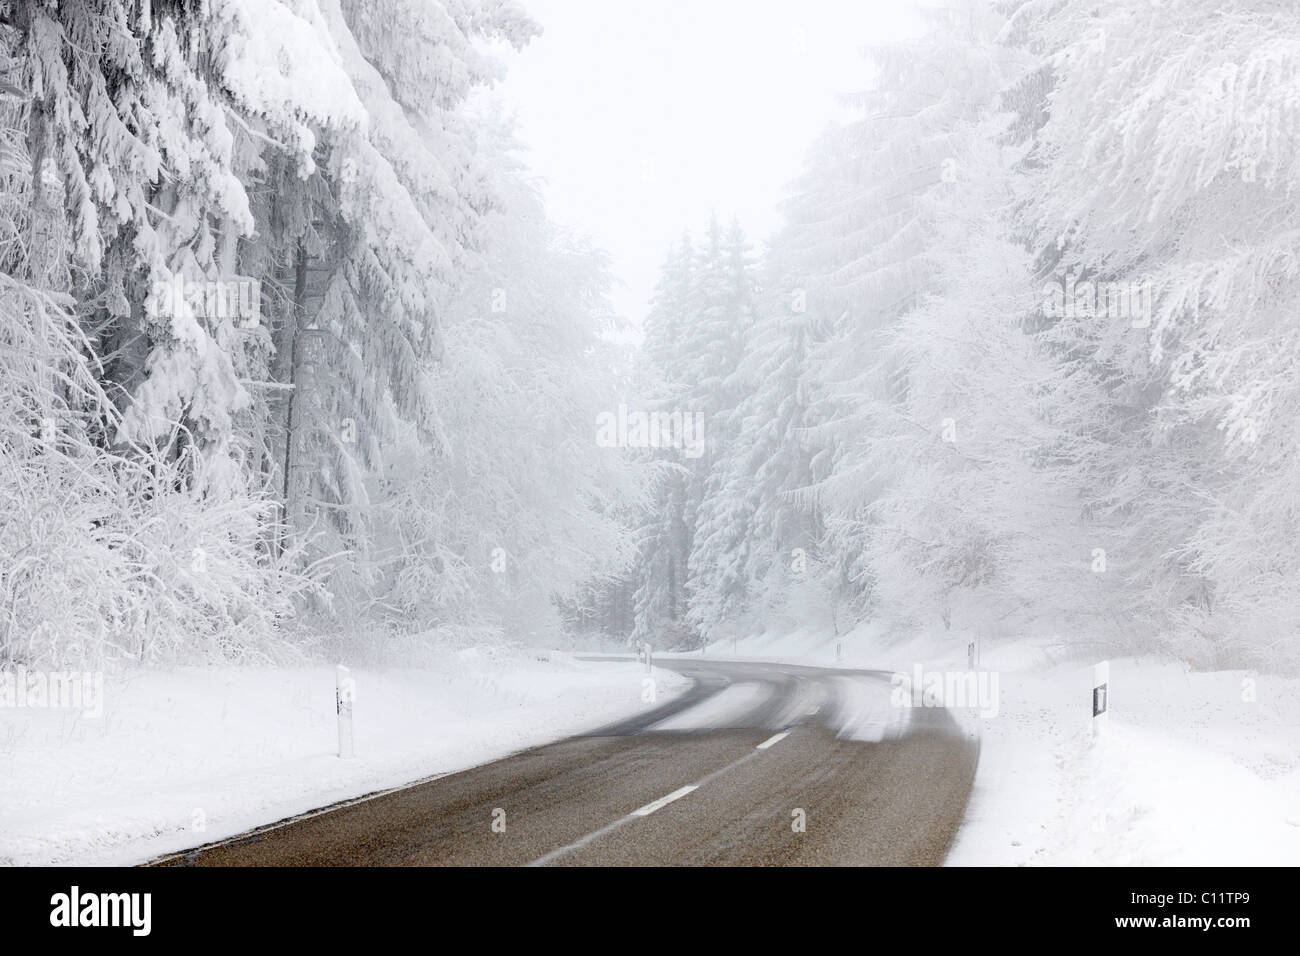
(755, 765)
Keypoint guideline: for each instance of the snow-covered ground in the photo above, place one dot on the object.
(1191, 770)
(189, 756)
(1195, 768)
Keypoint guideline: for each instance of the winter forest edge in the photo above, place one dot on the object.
(292, 360)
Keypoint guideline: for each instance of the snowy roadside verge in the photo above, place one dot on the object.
(189, 756)
(1196, 768)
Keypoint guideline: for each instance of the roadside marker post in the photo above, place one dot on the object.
(344, 693)
(1100, 697)
(648, 653)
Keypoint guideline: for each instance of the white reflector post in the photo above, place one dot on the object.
(1100, 697)
(344, 694)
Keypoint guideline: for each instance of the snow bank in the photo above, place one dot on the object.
(185, 757)
(1195, 769)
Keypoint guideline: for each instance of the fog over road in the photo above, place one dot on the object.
(757, 764)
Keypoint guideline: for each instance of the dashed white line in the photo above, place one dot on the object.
(651, 807)
(662, 802)
(609, 828)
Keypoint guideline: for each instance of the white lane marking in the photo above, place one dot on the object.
(609, 828)
(774, 739)
(662, 802)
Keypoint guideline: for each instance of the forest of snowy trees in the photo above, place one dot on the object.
(287, 337)
(289, 347)
(1024, 358)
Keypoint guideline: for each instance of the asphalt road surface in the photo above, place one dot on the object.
(755, 765)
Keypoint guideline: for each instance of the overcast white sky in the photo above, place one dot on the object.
(642, 117)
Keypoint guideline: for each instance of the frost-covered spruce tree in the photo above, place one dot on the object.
(777, 461)
(664, 528)
(1168, 156)
(133, 175)
(726, 319)
(861, 247)
(487, 533)
(695, 338)
(377, 247)
(129, 134)
(962, 529)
